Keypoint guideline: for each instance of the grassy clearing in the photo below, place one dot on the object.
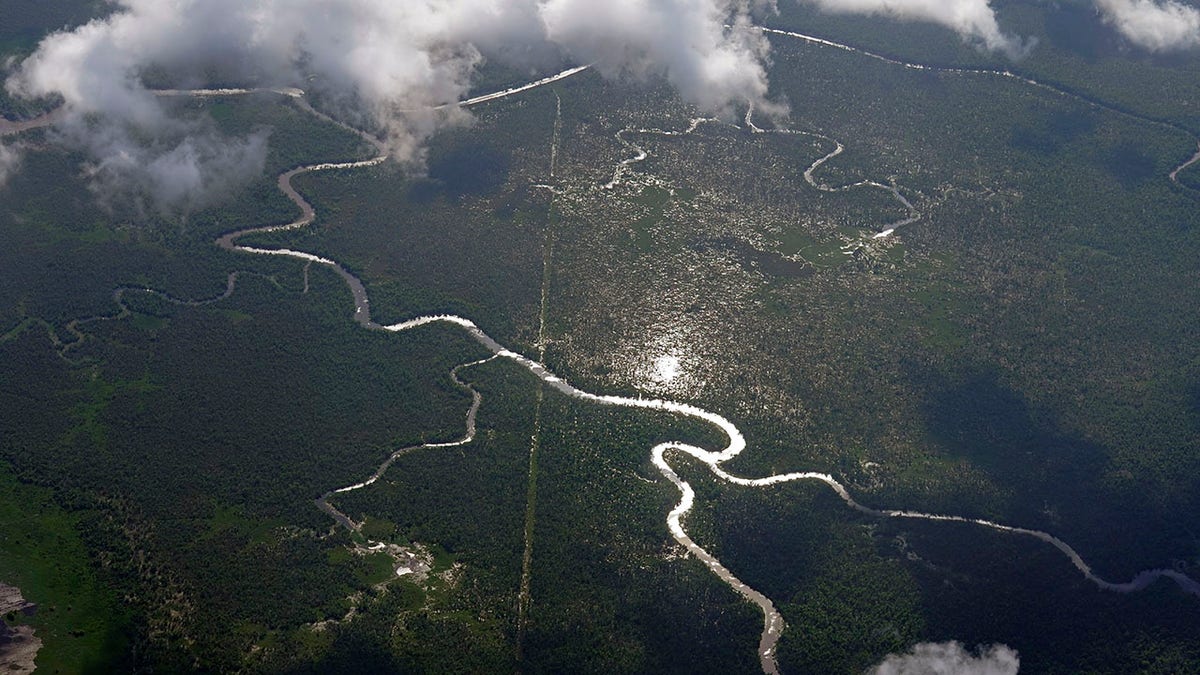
(78, 619)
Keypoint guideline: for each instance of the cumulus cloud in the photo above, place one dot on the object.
(974, 20)
(172, 175)
(395, 64)
(950, 658)
(10, 157)
(712, 65)
(1153, 24)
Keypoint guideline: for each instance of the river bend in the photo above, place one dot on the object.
(773, 624)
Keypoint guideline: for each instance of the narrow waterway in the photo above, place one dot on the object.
(773, 625)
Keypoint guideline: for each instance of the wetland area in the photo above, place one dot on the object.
(912, 369)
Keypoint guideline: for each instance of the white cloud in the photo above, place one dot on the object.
(10, 158)
(974, 20)
(174, 176)
(686, 40)
(390, 62)
(1152, 24)
(950, 658)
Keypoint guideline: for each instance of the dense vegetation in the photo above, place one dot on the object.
(78, 618)
(1027, 352)
(1071, 47)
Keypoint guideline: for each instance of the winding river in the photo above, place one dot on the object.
(773, 620)
(661, 454)
(1002, 74)
(640, 155)
(1174, 175)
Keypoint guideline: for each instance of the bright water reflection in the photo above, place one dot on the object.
(666, 368)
